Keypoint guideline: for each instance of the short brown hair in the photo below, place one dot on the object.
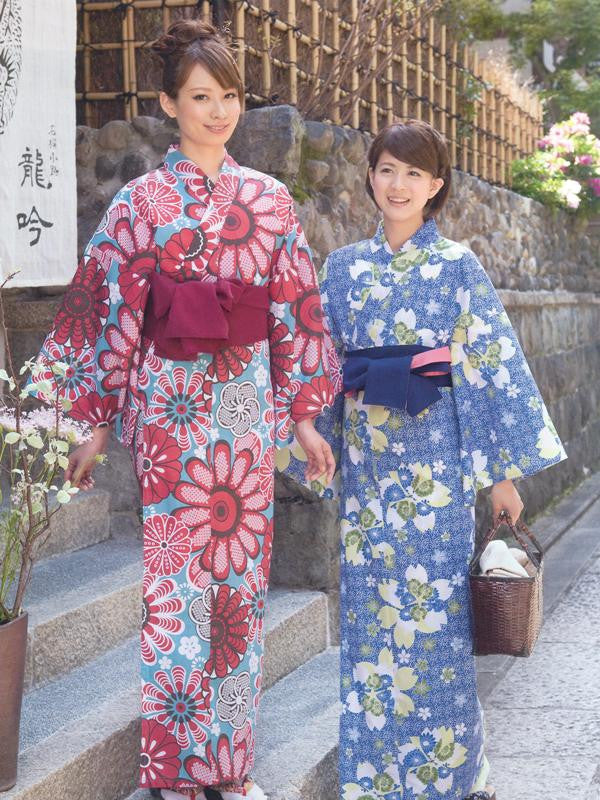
(191, 41)
(419, 144)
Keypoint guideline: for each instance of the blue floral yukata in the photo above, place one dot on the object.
(411, 725)
(201, 431)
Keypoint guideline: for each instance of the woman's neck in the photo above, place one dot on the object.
(209, 159)
(397, 233)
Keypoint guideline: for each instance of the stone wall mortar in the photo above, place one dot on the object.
(545, 267)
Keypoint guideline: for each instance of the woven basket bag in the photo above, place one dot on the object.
(507, 611)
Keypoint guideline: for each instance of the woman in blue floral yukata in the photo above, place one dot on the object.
(434, 401)
(193, 324)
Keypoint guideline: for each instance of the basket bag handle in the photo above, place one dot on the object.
(521, 533)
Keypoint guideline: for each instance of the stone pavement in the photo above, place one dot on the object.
(543, 712)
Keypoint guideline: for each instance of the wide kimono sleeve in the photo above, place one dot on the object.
(505, 429)
(290, 458)
(97, 330)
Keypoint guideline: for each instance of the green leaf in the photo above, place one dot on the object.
(63, 497)
(12, 437)
(35, 440)
(3, 375)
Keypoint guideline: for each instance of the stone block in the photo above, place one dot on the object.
(270, 140)
(117, 477)
(81, 523)
(115, 135)
(106, 167)
(132, 166)
(319, 136)
(316, 172)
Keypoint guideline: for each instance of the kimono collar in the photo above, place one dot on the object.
(181, 165)
(426, 235)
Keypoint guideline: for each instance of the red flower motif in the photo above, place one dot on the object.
(159, 617)
(167, 545)
(184, 254)
(312, 398)
(155, 201)
(223, 505)
(84, 307)
(230, 362)
(178, 406)
(96, 409)
(228, 631)
(123, 340)
(228, 767)
(308, 341)
(266, 473)
(80, 375)
(180, 702)
(133, 247)
(255, 595)
(282, 352)
(159, 759)
(157, 464)
(249, 233)
(283, 286)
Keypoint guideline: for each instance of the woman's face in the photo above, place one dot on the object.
(401, 190)
(206, 112)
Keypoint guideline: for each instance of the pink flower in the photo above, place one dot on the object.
(594, 184)
(585, 160)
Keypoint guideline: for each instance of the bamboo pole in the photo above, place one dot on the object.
(126, 65)
(133, 103)
(374, 108)
(389, 71)
(419, 65)
(502, 143)
(266, 48)
(292, 52)
(87, 65)
(475, 135)
(453, 86)
(238, 38)
(493, 134)
(464, 138)
(404, 63)
(166, 16)
(431, 42)
(355, 78)
(114, 5)
(335, 28)
(484, 123)
(443, 80)
(315, 35)
(206, 11)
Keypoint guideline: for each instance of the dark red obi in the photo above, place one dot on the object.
(184, 319)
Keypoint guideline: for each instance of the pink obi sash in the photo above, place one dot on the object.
(184, 319)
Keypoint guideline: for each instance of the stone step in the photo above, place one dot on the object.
(82, 522)
(297, 740)
(79, 734)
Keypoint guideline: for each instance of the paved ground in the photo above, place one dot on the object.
(543, 713)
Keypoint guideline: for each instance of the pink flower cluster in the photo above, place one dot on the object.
(43, 421)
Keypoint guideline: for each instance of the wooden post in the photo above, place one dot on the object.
(453, 80)
(475, 135)
(493, 133)
(166, 15)
(335, 29)
(239, 37)
(125, 62)
(484, 123)
(266, 48)
(374, 123)
(87, 65)
(443, 80)
(431, 42)
(389, 72)
(355, 79)
(465, 139)
(133, 102)
(292, 52)
(502, 165)
(419, 64)
(315, 36)
(404, 56)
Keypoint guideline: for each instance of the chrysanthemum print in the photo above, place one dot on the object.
(411, 727)
(202, 435)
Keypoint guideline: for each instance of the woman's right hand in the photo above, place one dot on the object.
(83, 459)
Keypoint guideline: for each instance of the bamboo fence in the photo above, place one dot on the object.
(335, 60)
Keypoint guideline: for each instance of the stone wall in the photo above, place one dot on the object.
(546, 268)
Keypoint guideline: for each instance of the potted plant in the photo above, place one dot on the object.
(34, 446)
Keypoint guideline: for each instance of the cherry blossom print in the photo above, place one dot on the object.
(282, 351)
(159, 758)
(181, 702)
(155, 201)
(167, 544)
(123, 340)
(160, 620)
(312, 398)
(254, 592)
(95, 409)
(84, 307)
(158, 464)
(234, 699)
(132, 247)
(227, 624)
(184, 254)
(283, 286)
(238, 408)
(177, 405)
(227, 767)
(223, 509)
(80, 375)
(249, 233)
(230, 362)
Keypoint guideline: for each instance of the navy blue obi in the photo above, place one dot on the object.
(407, 377)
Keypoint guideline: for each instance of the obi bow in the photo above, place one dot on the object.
(398, 376)
(184, 319)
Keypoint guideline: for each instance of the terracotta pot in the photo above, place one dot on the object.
(13, 646)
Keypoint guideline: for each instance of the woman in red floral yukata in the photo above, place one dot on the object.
(194, 324)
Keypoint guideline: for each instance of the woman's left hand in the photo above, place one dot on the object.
(318, 452)
(506, 498)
